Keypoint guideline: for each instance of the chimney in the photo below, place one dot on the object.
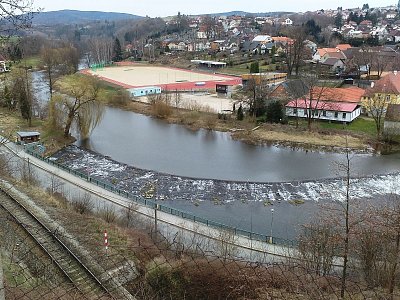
(395, 73)
(372, 85)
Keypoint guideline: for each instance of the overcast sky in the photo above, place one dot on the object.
(163, 8)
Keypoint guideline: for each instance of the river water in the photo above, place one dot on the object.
(152, 144)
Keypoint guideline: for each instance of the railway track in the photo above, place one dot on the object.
(70, 265)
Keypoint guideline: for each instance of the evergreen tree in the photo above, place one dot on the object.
(117, 50)
(338, 20)
(274, 112)
(255, 67)
(313, 29)
(240, 114)
(24, 103)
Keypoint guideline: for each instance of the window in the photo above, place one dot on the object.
(295, 111)
(344, 115)
(305, 112)
(388, 98)
(336, 114)
(324, 113)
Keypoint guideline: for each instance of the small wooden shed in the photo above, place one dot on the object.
(26, 137)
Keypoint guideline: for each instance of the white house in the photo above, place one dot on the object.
(201, 35)
(288, 22)
(3, 66)
(391, 15)
(323, 110)
(262, 39)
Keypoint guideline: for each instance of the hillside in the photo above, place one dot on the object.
(67, 17)
(244, 13)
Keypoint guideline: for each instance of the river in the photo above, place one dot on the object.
(152, 144)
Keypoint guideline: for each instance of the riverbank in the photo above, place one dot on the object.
(273, 134)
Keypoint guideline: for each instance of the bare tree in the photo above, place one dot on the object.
(16, 15)
(209, 23)
(317, 246)
(100, 50)
(58, 62)
(375, 105)
(382, 61)
(390, 217)
(295, 51)
(313, 97)
(255, 93)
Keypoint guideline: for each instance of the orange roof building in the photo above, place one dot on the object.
(343, 47)
(349, 95)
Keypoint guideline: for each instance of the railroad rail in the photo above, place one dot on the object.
(69, 264)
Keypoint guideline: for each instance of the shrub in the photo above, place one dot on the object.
(161, 109)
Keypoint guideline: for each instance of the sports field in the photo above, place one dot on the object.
(137, 75)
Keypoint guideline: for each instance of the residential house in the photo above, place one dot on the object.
(311, 46)
(289, 89)
(387, 88)
(201, 33)
(177, 46)
(288, 22)
(3, 65)
(321, 52)
(333, 65)
(262, 39)
(332, 104)
(366, 23)
(391, 124)
(330, 111)
(354, 34)
(381, 33)
(283, 40)
(394, 36)
(391, 15)
(343, 47)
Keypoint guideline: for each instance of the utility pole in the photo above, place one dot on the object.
(272, 223)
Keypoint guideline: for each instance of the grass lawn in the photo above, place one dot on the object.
(33, 61)
(362, 125)
(245, 68)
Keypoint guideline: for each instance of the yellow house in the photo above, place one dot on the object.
(383, 92)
